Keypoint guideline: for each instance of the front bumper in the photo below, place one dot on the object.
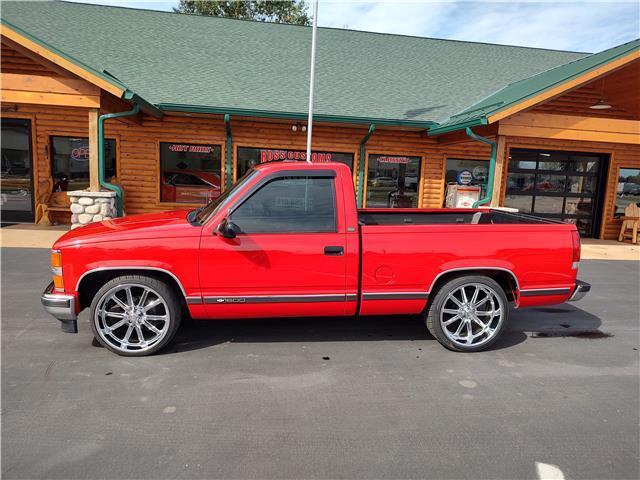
(582, 288)
(62, 306)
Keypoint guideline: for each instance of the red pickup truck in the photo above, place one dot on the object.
(288, 241)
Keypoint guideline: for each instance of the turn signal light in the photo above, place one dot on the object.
(56, 269)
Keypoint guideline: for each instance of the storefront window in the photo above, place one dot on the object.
(628, 189)
(392, 181)
(70, 162)
(250, 157)
(189, 173)
(468, 172)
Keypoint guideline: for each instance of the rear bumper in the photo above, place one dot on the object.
(582, 288)
(62, 306)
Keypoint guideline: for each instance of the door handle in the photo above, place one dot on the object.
(334, 250)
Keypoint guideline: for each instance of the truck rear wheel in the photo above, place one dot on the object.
(468, 313)
(135, 315)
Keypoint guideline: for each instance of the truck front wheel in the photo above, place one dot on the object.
(468, 313)
(135, 315)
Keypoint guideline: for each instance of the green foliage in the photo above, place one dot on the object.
(278, 11)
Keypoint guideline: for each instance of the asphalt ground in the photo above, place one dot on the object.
(325, 398)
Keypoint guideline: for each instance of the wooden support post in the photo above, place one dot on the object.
(94, 184)
(498, 174)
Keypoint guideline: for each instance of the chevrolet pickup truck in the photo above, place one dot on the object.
(288, 241)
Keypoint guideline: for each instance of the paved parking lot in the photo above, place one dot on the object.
(324, 398)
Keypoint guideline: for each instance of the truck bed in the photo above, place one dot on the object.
(446, 217)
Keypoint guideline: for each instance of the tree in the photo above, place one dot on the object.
(278, 11)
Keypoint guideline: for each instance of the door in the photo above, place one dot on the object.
(16, 196)
(287, 258)
(566, 186)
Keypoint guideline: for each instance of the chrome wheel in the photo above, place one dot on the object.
(472, 314)
(132, 317)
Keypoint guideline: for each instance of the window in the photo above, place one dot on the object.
(392, 181)
(628, 189)
(556, 184)
(476, 171)
(250, 157)
(189, 173)
(289, 205)
(70, 162)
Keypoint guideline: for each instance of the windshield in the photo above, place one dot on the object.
(205, 213)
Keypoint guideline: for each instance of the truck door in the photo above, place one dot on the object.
(288, 255)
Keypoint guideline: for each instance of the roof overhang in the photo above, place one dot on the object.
(100, 79)
(170, 107)
(559, 89)
(490, 114)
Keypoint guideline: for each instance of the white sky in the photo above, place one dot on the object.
(583, 25)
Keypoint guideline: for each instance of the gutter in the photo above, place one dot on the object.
(227, 125)
(363, 142)
(101, 180)
(170, 107)
(145, 106)
(476, 122)
(492, 166)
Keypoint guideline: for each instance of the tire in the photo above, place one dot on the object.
(449, 316)
(143, 326)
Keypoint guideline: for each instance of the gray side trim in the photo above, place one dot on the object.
(277, 299)
(156, 269)
(544, 291)
(395, 296)
(351, 297)
(194, 300)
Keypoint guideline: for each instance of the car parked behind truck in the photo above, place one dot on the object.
(288, 241)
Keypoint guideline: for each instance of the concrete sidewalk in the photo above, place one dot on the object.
(36, 236)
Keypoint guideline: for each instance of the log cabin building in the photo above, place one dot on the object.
(183, 105)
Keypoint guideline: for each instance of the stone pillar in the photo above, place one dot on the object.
(87, 207)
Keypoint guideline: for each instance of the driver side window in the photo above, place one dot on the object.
(289, 205)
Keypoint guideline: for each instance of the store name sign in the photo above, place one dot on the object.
(268, 155)
(396, 160)
(177, 147)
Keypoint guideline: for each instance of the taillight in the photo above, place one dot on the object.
(56, 269)
(575, 240)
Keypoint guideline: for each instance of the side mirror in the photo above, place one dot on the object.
(227, 229)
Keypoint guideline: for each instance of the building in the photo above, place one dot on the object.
(213, 96)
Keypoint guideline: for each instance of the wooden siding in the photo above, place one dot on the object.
(571, 127)
(15, 62)
(620, 89)
(48, 90)
(138, 151)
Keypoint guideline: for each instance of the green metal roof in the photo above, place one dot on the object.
(188, 62)
(514, 93)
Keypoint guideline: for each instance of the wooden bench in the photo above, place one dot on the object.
(56, 202)
(630, 223)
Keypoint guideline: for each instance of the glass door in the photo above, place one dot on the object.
(16, 175)
(565, 186)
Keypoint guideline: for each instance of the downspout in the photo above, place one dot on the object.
(492, 167)
(363, 142)
(101, 180)
(227, 124)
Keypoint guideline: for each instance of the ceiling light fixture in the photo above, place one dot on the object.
(601, 104)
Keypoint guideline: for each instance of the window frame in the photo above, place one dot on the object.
(616, 215)
(391, 153)
(286, 174)
(50, 151)
(190, 141)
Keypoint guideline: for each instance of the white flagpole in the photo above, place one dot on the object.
(312, 78)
